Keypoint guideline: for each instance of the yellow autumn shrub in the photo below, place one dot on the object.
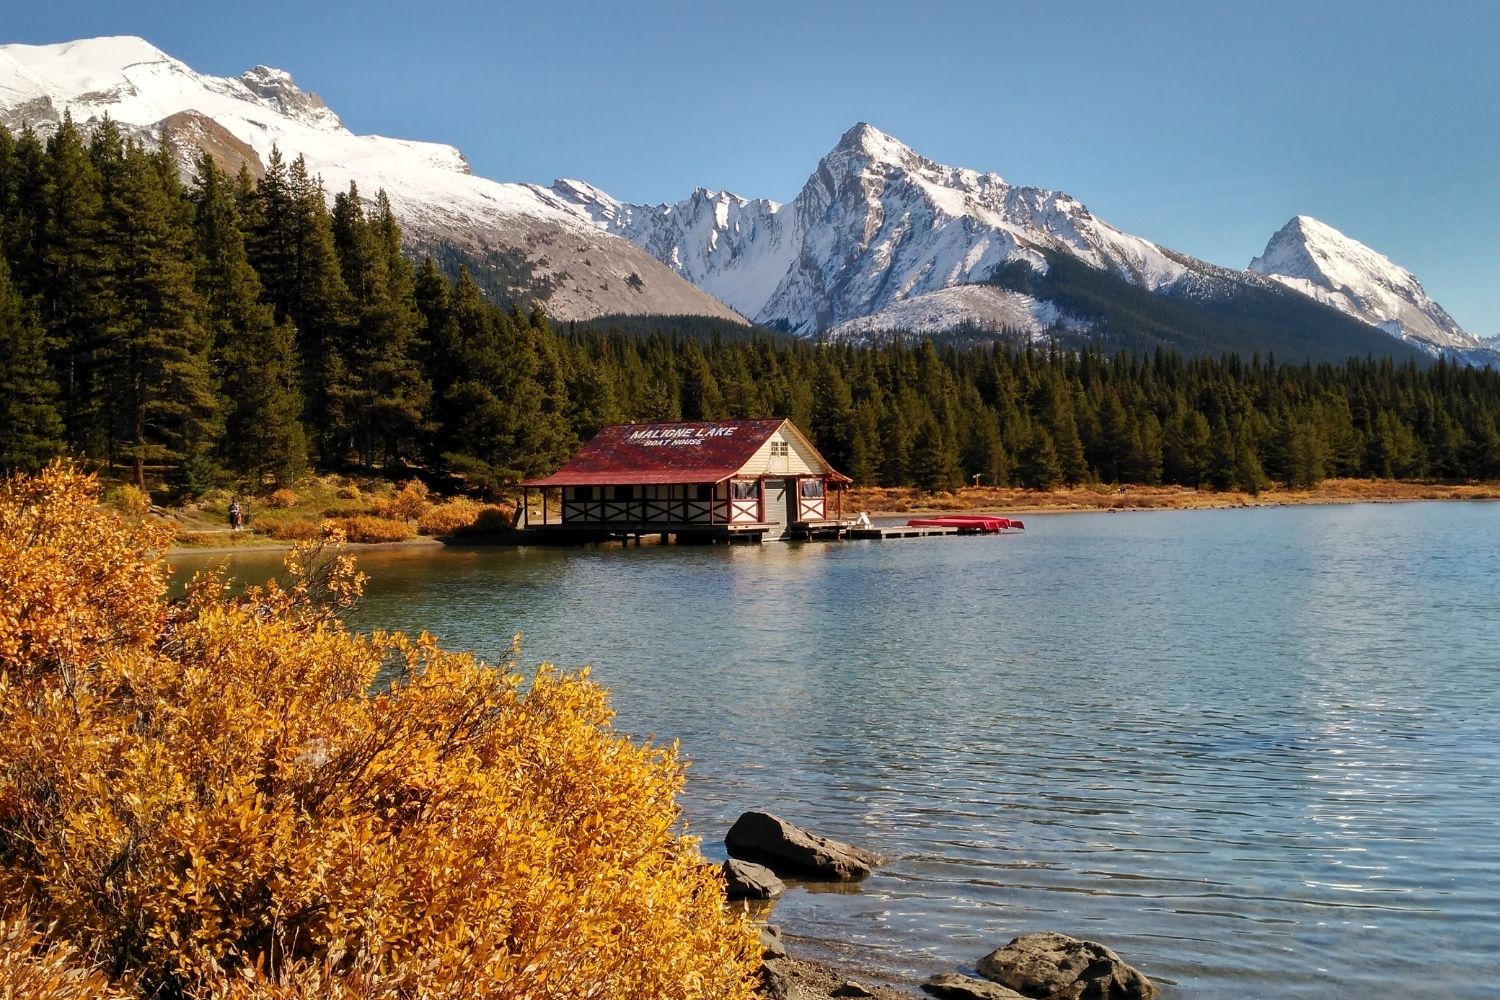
(450, 517)
(297, 529)
(237, 798)
(365, 528)
(410, 502)
(130, 499)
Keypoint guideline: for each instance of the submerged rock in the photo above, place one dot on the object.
(952, 986)
(786, 848)
(1052, 966)
(748, 880)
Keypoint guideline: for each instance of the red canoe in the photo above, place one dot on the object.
(987, 524)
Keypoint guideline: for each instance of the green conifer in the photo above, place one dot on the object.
(159, 381)
(255, 357)
(31, 430)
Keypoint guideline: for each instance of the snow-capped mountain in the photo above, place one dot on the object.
(876, 226)
(879, 238)
(1321, 262)
(882, 238)
(437, 199)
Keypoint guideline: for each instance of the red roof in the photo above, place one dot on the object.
(631, 454)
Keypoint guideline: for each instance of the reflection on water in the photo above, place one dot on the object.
(1254, 751)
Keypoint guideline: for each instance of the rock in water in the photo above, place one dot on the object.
(952, 986)
(1052, 966)
(771, 945)
(786, 848)
(748, 880)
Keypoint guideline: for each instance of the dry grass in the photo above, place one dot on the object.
(211, 540)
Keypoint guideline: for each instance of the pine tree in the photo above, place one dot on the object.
(66, 282)
(490, 410)
(1037, 466)
(255, 357)
(388, 393)
(833, 416)
(31, 430)
(547, 434)
(162, 406)
(291, 246)
(699, 392)
(1186, 441)
(934, 458)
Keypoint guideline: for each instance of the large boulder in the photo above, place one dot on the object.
(788, 849)
(748, 880)
(1052, 966)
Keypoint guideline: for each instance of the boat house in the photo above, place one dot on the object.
(732, 480)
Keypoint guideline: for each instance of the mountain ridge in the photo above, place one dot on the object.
(879, 236)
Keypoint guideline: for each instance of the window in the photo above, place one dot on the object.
(622, 493)
(747, 489)
(812, 489)
(779, 449)
(703, 491)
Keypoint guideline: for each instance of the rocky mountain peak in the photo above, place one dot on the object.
(276, 88)
(866, 140)
(1318, 260)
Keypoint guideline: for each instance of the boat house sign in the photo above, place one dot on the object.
(677, 436)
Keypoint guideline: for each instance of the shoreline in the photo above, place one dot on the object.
(272, 545)
(901, 502)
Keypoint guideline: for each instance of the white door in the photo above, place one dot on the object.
(776, 497)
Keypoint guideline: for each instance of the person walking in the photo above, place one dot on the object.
(236, 516)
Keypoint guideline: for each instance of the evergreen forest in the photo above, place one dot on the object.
(239, 328)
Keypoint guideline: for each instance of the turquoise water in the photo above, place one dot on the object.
(1255, 751)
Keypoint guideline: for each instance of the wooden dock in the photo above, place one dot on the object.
(880, 534)
(710, 534)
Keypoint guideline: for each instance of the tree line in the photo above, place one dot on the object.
(241, 327)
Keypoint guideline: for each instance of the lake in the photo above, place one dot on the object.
(1254, 751)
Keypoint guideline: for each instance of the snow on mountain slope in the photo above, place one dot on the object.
(707, 238)
(1322, 263)
(972, 308)
(875, 225)
(436, 196)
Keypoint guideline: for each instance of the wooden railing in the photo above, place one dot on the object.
(644, 511)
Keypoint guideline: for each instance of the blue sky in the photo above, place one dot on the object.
(1202, 125)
